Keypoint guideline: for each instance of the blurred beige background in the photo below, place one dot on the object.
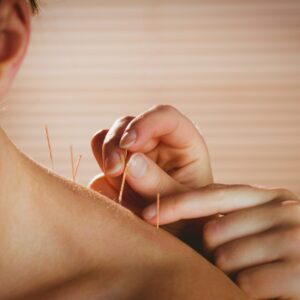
(232, 66)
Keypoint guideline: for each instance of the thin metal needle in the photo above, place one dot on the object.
(49, 146)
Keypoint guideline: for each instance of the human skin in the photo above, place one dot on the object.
(256, 242)
(257, 238)
(15, 28)
(62, 241)
(166, 136)
(164, 140)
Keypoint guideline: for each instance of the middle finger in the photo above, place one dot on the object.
(113, 155)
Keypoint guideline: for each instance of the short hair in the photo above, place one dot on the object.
(34, 6)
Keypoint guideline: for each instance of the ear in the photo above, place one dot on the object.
(14, 35)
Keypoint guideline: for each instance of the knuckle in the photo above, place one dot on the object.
(178, 207)
(284, 193)
(218, 194)
(296, 210)
(208, 235)
(164, 108)
(99, 136)
(297, 269)
(291, 210)
(248, 283)
(170, 208)
(292, 235)
(281, 190)
(124, 119)
(175, 206)
(222, 259)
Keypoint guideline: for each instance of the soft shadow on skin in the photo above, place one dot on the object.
(79, 287)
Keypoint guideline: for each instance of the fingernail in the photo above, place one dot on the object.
(149, 213)
(113, 163)
(128, 139)
(137, 166)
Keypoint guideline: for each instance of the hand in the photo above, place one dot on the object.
(257, 238)
(165, 137)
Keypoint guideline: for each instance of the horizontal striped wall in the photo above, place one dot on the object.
(232, 66)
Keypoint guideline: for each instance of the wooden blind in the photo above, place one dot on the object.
(232, 66)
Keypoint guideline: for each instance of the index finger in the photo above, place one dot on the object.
(161, 123)
(210, 201)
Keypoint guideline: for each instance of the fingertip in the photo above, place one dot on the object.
(149, 213)
(151, 221)
(98, 139)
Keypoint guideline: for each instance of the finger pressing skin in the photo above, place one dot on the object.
(271, 281)
(97, 145)
(113, 155)
(250, 221)
(214, 199)
(253, 250)
(147, 179)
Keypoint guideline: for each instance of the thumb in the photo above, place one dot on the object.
(147, 179)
